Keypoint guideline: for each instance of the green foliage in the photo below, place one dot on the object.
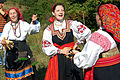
(84, 11)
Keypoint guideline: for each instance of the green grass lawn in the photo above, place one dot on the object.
(2, 75)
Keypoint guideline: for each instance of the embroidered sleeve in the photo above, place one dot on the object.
(34, 28)
(90, 53)
(80, 31)
(47, 44)
(101, 40)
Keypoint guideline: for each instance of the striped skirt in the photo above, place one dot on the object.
(19, 60)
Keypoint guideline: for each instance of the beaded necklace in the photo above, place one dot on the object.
(57, 23)
(14, 29)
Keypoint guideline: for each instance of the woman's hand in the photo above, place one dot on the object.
(3, 42)
(75, 51)
(34, 17)
(75, 46)
(65, 50)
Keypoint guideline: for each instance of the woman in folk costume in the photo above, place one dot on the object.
(102, 51)
(19, 59)
(58, 39)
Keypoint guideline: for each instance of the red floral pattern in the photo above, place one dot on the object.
(81, 28)
(46, 43)
(101, 40)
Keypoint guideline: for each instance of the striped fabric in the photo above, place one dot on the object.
(18, 75)
(52, 71)
(3, 20)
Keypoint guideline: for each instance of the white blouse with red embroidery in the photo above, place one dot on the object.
(99, 42)
(80, 31)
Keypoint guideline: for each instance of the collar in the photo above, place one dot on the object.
(59, 25)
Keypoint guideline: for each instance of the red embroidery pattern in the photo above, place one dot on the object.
(70, 22)
(58, 51)
(46, 43)
(101, 40)
(56, 32)
(77, 42)
(81, 28)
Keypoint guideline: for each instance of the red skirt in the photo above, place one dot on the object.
(62, 68)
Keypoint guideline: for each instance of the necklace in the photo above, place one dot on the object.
(14, 29)
(57, 23)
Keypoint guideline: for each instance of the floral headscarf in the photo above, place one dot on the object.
(19, 13)
(110, 16)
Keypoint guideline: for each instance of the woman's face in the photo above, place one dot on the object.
(13, 15)
(59, 12)
(98, 20)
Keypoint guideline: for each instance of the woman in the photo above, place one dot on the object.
(58, 39)
(19, 58)
(102, 49)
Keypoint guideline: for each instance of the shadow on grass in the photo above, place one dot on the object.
(41, 72)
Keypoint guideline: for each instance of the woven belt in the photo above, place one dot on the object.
(110, 53)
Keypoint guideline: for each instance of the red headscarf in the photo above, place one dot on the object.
(52, 18)
(53, 7)
(19, 13)
(110, 16)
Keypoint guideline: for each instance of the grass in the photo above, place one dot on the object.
(2, 75)
(35, 43)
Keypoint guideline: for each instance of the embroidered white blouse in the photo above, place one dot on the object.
(80, 31)
(99, 41)
(25, 28)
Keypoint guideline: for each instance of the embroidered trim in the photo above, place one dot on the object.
(46, 43)
(101, 40)
(58, 51)
(56, 32)
(81, 28)
(77, 42)
(12, 75)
